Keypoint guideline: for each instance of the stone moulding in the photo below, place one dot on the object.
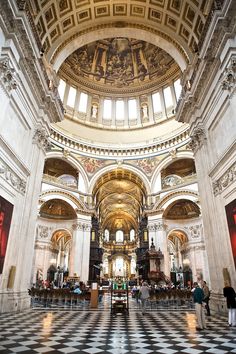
(224, 181)
(81, 207)
(84, 148)
(18, 183)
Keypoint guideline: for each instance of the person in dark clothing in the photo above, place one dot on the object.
(198, 296)
(230, 295)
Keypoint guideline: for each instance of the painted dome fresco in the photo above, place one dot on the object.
(118, 65)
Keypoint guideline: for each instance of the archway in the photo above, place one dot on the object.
(181, 272)
(119, 197)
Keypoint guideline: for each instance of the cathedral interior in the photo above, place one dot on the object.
(117, 146)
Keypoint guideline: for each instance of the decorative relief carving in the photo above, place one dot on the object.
(41, 139)
(11, 177)
(224, 181)
(7, 75)
(159, 226)
(43, 231)
(81, 226)
(198, 137)
(229, 81)
(195, 231)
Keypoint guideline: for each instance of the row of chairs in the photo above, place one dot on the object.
(58, 297)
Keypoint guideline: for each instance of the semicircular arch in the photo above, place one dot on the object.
(74, 202)
(72, 161)
(124, 166)
(57, 55)
(171, 197)
(166, 162)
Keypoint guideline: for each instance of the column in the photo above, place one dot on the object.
(80, 250)
(157, 231)
(26, 230)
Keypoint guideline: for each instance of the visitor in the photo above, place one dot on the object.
(198, 296)
(144, 295)
(230, 295)
(206, 297)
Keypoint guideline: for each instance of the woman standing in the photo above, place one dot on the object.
(230, 295)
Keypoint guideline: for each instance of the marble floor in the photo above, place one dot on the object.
(91, 332)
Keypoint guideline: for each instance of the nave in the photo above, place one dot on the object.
(92, 332)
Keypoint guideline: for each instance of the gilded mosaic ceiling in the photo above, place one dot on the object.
(119, 196)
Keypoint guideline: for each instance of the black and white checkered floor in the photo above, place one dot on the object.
(92, 332)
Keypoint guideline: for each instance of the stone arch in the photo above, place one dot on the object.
(74, 202)
(167, 161)
(58, 56)
(124, 166)
(72, 161)
(173, 196)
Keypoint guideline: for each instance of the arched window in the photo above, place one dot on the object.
(61, 89)
(132, 235)
(71, 97)
(119, 236)
(106, 235)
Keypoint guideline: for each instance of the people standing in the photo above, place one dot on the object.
(230, 295)
(198, 296)
(206, 297)
(144, 295)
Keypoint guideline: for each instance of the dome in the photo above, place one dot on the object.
(119, 66)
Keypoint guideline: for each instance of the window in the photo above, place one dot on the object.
(83, 101)
(71, 97)
(132, 235)
(61, 89)
(106, 235)
(132, 108)
(119, 236)
(178, 88)
(107, 109)
(120, 110)
(168, 97)
(156, 101)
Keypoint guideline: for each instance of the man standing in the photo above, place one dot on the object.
(206, 297)
(198, 296)
(144, 295)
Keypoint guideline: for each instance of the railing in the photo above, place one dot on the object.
(57, 180)
(173, 180)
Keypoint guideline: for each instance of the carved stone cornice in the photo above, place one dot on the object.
(86, 148)
(41, 139)
(7, 75)
(32, 67)
(11, 177)
(223, 26)
(229, 80)
(198, 137)
(224, 181)
(81, 226)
